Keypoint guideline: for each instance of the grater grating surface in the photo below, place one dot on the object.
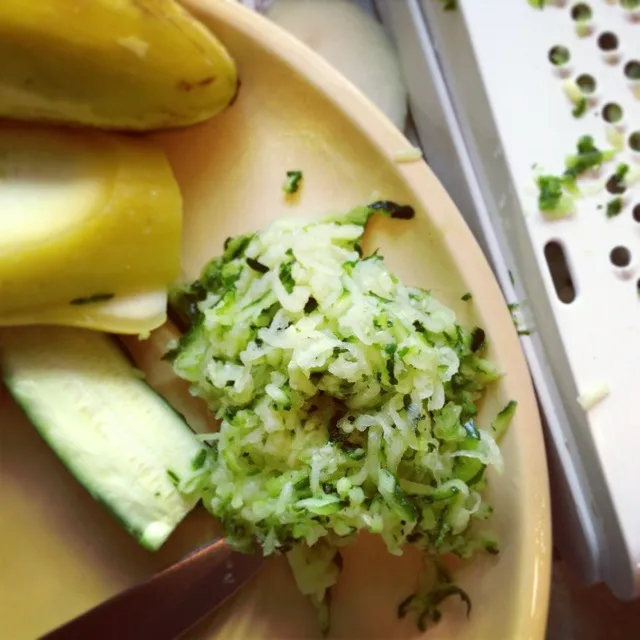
(485, 92)
(600, 327)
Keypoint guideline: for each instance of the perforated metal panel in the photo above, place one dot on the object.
(498, 112)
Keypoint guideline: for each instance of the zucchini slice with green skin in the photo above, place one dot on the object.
(120, 440)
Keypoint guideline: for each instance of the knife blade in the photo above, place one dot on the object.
(169, 603)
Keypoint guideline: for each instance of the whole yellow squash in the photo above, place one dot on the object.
(122, 64)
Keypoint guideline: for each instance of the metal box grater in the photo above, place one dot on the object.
(492, 110)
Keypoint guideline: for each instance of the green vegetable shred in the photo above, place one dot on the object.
(551, 193)
(581, 108)
(347, 402)
(292, 183)
(621, 171)
(614, 207)
(556, 193)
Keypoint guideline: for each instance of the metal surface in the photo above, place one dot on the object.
(168, 604)
(488, 105)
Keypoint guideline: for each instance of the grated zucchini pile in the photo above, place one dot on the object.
(347, 402)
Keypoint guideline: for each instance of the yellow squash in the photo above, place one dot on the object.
(125, 64)
(85, 217)
(137, 315)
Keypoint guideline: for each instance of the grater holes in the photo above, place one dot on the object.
(559, 55)
(560, 273)
(587, 83)
(615, 186)
(608, 41)
(634, 141)
(632, 70)
(620, 257)
(636, 213)
(581, 12)
(612, 112)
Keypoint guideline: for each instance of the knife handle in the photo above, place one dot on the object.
(169, 603)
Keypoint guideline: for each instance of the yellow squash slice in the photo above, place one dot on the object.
(84, 217)
(137, 315)
(125, 64)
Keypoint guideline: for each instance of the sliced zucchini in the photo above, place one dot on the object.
(124, 443)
